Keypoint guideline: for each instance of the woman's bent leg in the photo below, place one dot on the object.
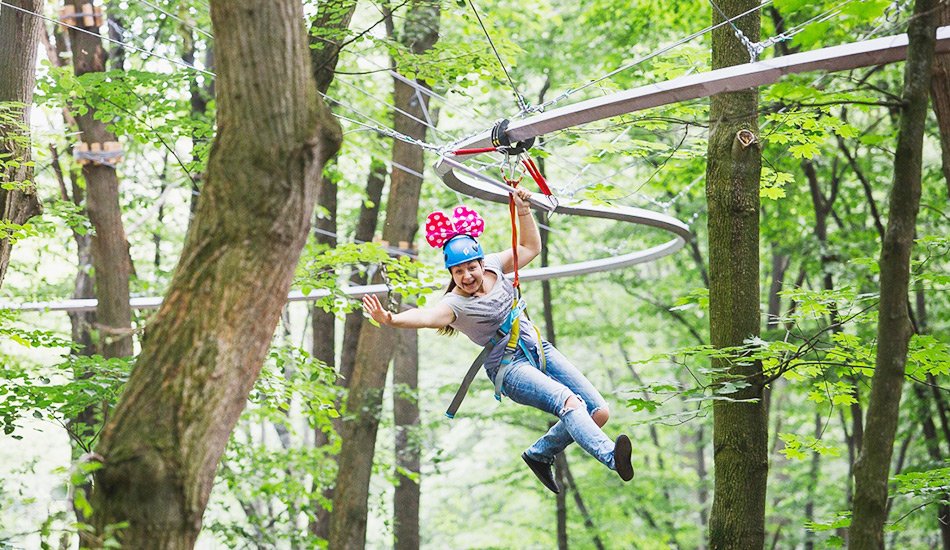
(527, 385)
(558, 436)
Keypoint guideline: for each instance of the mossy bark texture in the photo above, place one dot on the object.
(205, 346)
(19, 35)
(894, 327)
(740, 429)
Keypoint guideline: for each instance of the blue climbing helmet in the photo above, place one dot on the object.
(461, 249)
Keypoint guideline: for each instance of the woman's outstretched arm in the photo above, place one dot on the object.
(437, 316)
(529, 238)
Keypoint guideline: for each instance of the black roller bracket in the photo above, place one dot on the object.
(499, 139)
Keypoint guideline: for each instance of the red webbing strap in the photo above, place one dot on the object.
(474, 151)
(514, 231)
(532, 169)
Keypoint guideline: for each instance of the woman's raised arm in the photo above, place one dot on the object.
(437, 316)
(529, 238)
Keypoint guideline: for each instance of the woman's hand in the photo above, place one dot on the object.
(376, 310)
(521, 200)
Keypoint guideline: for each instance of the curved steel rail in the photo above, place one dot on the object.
(465, 180)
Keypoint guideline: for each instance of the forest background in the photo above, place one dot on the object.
(405, 79)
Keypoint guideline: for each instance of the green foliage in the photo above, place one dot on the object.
(15, 136)
(78, 386)
(795, 446)
(143, 106)
(273, 487)
(933, 484)
(322, 268)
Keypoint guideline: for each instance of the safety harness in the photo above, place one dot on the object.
(511, 327)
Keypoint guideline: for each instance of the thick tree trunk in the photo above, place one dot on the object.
(206, 344)
(740, 430)
(894, 326)
(110, 248)
(19, 37)
(376, 345)
(408, 457)
(940, 93)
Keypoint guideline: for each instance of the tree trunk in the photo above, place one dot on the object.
(702, 476)
(323, 339)
(581, 507)
(940, 92)
(408, 458)
(932, 443)
(19, 37)
(110, 248)
(206, 344)
(550, 334)
(334, 19)
(894, 327)
(365, 227)
(375, 345)
(780, 263)
(198, 99)
(812, 486)
(740, 430)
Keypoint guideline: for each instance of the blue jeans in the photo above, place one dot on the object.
(549, 392)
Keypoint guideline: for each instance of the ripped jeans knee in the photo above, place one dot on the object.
(571, 402)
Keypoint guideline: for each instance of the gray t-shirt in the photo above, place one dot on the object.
(478, 317)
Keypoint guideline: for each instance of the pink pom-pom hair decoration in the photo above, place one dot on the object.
(440, 229)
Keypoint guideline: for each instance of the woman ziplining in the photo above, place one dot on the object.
(482, 303)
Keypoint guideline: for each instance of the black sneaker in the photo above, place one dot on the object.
(622, 450)
(544, 471)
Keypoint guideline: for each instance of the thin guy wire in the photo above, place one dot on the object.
(384, 131)
(106, 38)
(397, 109)
(521, 103)
(176, 18)
(647, 57)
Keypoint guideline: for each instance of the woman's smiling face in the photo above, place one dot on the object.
(468, 276)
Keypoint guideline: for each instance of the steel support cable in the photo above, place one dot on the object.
(179, 19)
(107, 39)
(462, 178)
(425, 123)
(635, 62)
(518, 97)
